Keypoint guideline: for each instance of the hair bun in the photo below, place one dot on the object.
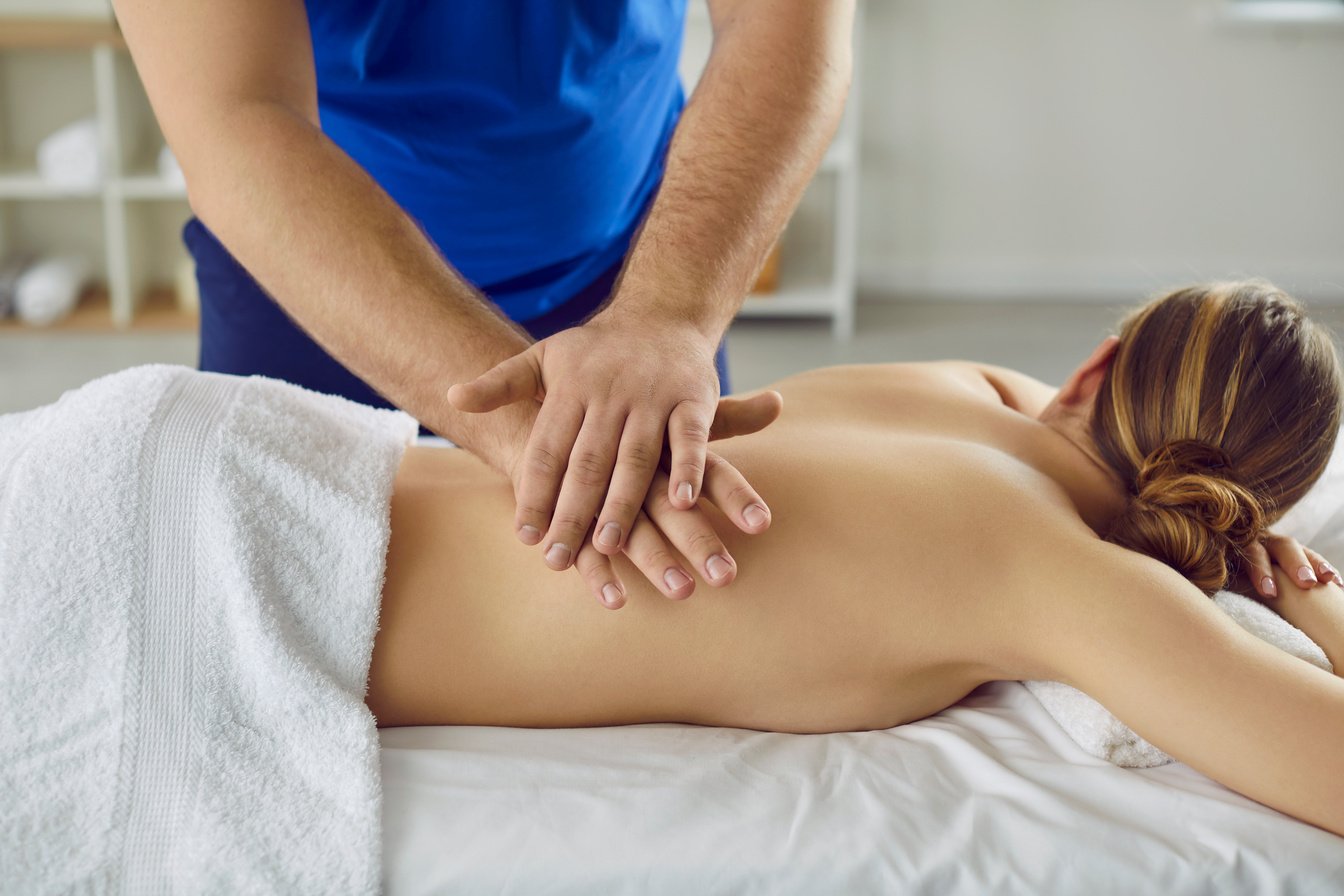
(1189, 512)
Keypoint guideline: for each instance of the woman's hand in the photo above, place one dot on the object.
(1303, 565)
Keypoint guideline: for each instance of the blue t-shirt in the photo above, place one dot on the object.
(526, 137)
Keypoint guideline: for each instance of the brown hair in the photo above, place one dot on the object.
(1219, 411)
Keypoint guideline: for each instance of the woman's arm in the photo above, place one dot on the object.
(1318, 612)
(1156, 652)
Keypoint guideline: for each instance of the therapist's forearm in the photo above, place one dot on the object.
(353, 269)
(749, 141)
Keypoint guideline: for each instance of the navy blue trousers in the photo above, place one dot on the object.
(244, 331)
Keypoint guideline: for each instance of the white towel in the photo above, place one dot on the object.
(69, 157)
(190, 571)
(10, 271)
(1096, 730)
(49, 290)
(169, 170)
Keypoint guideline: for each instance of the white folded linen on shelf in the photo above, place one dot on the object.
(190, 572)
(1096, 730)
(70, 157)
(169, 170)
(48, 291)
(10, 271)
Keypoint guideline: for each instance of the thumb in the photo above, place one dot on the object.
(743, 416)
(514, 379)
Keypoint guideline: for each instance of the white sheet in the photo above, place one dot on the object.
(989, 796)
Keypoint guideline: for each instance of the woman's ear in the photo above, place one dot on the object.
(1084, 382)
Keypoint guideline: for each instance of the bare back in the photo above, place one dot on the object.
(927, 537)
(900, 496)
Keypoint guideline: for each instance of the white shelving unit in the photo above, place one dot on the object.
(133, 240)
(817, 257)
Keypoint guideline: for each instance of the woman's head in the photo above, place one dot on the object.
(1218, 411)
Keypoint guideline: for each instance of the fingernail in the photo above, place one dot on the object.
(755, 515)
(611, 594)
(610, 537)
(684, 491)
(529, 534)
(718, 567)
(1268, 587)
(675, 579)
(1305, 574)
(558, 555)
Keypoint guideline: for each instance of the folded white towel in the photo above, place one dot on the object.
(169, 170)
(190, 571)
(10, 271)
(69, 157)
(1096, 730)
(46, 292)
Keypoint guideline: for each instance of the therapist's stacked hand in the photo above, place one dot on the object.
(618, 456)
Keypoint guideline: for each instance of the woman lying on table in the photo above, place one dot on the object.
(939, 526)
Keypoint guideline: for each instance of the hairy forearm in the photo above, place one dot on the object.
(352, 268)
(749, 141)
(1318, 613)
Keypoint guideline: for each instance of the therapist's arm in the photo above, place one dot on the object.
(234, 89)
(749, 140)
(233, 86)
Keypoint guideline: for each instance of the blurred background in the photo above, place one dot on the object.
(1008, 177)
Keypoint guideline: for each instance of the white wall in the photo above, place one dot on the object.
(1096, 149)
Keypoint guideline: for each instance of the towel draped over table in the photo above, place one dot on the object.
(190, 572)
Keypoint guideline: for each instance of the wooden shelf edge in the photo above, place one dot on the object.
(23, 33)
(157, 313)
(815, 302)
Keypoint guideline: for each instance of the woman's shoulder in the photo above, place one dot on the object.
(986, 383)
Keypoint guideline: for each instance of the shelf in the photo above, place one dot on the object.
(149, 186)
(20, 182)
(157, 313)
(802, 300)
(58, 34)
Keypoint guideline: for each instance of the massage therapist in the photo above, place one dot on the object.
(395, 197)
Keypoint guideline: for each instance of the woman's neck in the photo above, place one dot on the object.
(1071, 459)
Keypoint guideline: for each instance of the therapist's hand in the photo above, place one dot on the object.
(663, 535)
(611, 391)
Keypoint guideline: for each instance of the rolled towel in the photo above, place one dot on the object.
(10, 272)
(1096, 730)
(69, 157)
(169, 170)
(49, 290)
